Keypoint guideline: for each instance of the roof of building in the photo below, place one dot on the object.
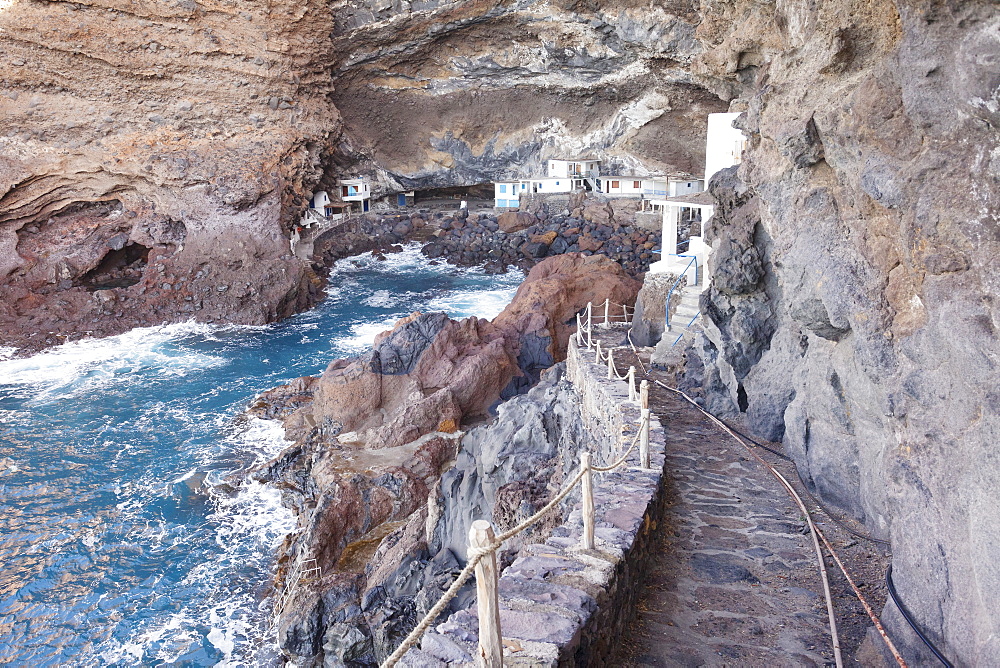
(703, 198)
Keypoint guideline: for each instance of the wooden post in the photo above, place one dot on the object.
(579, 332)
(611, 363)
(644, 394)
(490, 640)
(590, 324)
(644, 437)
(588, 502)
(607, 312)
(632, 395)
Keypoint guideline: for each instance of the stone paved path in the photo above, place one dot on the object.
(736, 582)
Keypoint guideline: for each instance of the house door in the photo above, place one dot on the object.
(401, 200)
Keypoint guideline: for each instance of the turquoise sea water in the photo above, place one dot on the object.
(121, 542)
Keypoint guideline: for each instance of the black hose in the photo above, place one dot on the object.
(909, 620)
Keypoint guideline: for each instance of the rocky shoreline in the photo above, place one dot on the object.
(373, 436)
(523, 238)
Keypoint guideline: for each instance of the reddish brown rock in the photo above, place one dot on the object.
(555, 290)
(515, 221)
(546, 238)
(589, 243)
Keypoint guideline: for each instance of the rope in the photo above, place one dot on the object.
(475, 555)
(425, 623)
(605, 469)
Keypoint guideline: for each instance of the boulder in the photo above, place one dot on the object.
(515, 221)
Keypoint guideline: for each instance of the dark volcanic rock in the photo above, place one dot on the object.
(856, 294)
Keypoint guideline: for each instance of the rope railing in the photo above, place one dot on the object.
(483, 544)
(817, 534)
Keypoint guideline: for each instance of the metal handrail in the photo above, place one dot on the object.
(670, 293)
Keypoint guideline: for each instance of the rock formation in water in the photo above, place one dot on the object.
(854, 307)
(372, 435)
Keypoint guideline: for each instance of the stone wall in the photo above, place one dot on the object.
(562, 605)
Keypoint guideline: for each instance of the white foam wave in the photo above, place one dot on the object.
(250, 525)
(88, 364)
(381, 299)
(363, 334)
(6, 352)
(462, 304)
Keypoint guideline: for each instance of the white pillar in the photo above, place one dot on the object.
(587, 493)
(670, 219)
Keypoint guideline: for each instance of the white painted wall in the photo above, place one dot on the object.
(724, 145)
(319, 200)
(678, 188)
(361, 189)
(507, 193)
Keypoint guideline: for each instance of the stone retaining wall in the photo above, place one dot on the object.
(562, 605)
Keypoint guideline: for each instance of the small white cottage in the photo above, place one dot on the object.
(355, 190)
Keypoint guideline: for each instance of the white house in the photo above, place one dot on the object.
(648, 187)
(355, 190)
(320, 202)
(723, 148)
(570, 168)
(507, 194)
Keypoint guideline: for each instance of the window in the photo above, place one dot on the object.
(615, 184)
(557, 183)
(636, 185)
(503, 188)
(523, 186)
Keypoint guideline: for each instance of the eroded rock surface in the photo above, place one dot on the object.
(192, 126)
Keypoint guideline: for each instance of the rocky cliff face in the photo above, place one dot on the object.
(854, 309)
(443, 93)
(152, 158)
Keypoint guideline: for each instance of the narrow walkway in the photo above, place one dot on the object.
(736, 581)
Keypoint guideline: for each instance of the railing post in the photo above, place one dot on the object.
(590, 324)
(607, 312)
(579, 331)
(588, 502)
(490, 640)
(611, 363)
(644, 394)
(598, 352)
(644, 437)
(632, 394)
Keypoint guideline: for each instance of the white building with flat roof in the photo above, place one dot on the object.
(356, 190)
(571, 168)
(724, 146)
